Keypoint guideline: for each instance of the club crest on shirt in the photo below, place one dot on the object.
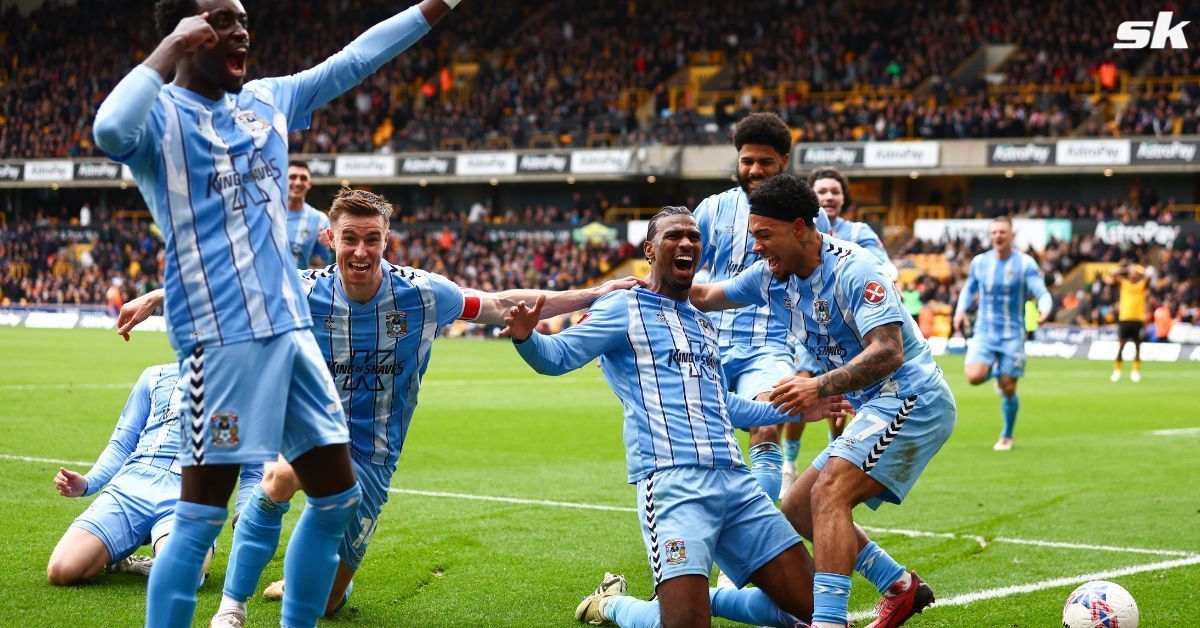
(251, 122)
(676, 551)
(223, 429)
(329, 324)
(660, 316)
(821, 311)
(788, 303)
(396, 323)
(705, 327)
(874, 293)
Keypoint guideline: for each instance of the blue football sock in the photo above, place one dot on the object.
(831, 598)
(171, 594)
(766, 465)
(630, 612)
(748, 606)
(791, 449)
(1009, 404)
(311, 559)
(255, 539)
(877, 566)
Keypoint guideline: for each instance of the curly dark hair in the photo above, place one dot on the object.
(168, 13)
(666, 212)
(763, 128)
(836, 175)
(785, 197)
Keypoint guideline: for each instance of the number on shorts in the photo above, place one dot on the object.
(876, 424)
(368, 530)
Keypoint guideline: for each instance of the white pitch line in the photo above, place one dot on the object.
(983, 542)
(63, 386)
(1183, 431)
(988, 594)
(512, 500)
(74, 463)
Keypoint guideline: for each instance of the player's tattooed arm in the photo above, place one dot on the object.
(883, 355)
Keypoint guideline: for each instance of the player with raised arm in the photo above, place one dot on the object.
(306, 226)
(697, 502)
(840, 303)
(1002, 278)
(754, 346)
(375, 324)
(209, 154)
(1131, 316)
(138, 478)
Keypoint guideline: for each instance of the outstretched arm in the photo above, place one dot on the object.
(360, 58)
(496, 305)
(883, 354)
(708, 297)
(561, 353)
(124, 437)
(746, 413)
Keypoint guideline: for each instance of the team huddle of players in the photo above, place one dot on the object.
(337, 356)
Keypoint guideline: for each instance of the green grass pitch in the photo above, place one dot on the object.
(1089, 477)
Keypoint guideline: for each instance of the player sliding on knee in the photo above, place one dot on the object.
(137, 477)
(375, 324)
(697, 501)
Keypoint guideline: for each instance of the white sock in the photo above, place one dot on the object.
(230, 604)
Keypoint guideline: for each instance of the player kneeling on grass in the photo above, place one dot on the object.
(138, 478)
(697, 501)
(375, 324)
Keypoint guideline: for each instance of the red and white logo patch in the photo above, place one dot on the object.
(874, 293)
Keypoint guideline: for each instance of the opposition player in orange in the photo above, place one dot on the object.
(1131, 316)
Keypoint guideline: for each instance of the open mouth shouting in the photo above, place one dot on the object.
(358, 269)
(236, 63)
(684, 264)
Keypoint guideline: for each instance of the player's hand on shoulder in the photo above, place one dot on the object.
(521, 320)
(624, 283)
(70, 483)
(194, 32)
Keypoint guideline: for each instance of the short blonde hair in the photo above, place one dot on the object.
(355, 202)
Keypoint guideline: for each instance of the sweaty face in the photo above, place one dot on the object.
(830, 195)
(1002, 236)
(675, 251)
(299, 182)
(776, 242)
(757, 163)
(358, 243)
(225, 63)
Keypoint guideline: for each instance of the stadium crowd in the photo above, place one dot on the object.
(45, 259)
(562, 74)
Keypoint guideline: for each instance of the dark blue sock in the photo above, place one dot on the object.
(171, 594)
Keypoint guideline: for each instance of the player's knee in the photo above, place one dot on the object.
(827, 495)
(797, 510)
(764, 434)
(1008, 386)
(64, 573)
(279, 482)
